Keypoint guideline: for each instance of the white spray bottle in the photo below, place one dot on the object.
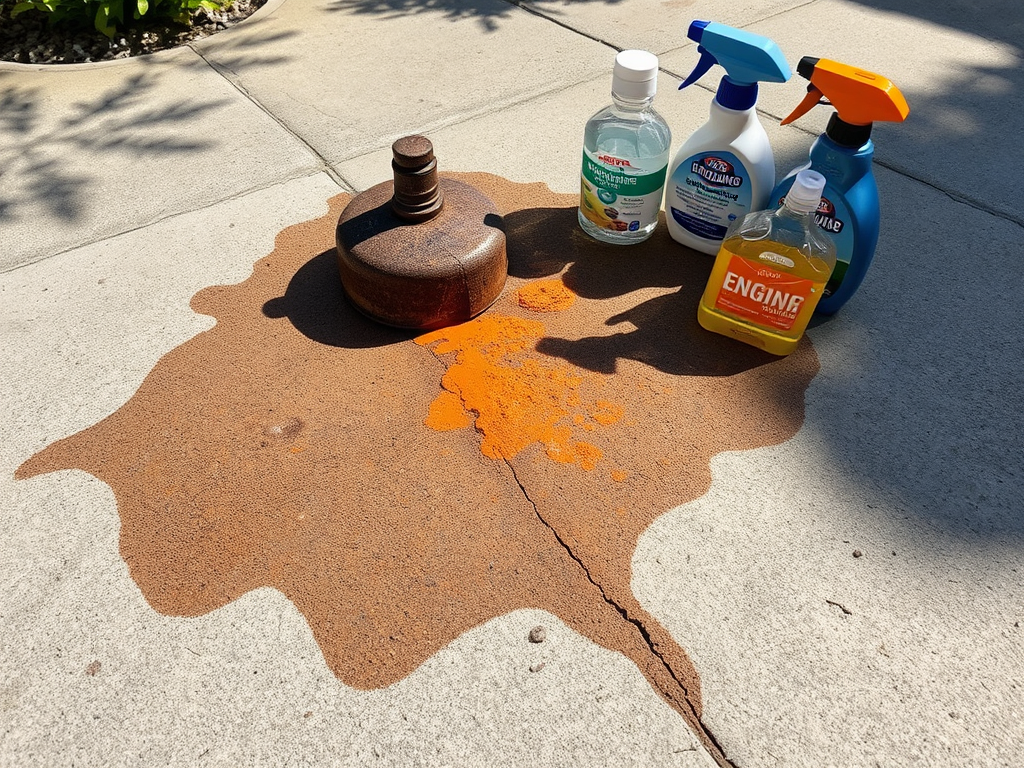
(726, 168)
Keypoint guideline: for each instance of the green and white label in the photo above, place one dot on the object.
(622, 194)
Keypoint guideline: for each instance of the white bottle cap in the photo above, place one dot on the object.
(635, 75)
(805, 194)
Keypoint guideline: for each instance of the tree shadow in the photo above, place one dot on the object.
(964, 124)
(235, 52)
(1001, 20)
(487, 12)
(920, 406)
(121, 119)
(44, 137)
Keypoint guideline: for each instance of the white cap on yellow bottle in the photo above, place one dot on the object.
(805, 194)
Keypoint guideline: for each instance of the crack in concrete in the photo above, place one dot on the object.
(711, 742)
(717, 752)
(956, 197)
(541, 15)
(840, 606)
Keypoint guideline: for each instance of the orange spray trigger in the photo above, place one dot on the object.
(811, 100)
(860, 97)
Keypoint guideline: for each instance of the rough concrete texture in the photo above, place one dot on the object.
(441, 64)
(806, 654)
(658, 26)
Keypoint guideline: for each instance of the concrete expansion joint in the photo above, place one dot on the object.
(232, 78)
(956, 197)
(562, 24)
(156, 220)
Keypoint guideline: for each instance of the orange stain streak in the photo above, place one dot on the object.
(519, 400)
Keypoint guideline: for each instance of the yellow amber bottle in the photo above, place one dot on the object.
(770, 272)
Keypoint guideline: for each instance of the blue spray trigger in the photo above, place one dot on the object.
(696, 29)
(707, 61)
(746, 57)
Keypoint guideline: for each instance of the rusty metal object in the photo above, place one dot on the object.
(421, 251)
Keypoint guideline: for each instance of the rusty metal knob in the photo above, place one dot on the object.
(418, 195)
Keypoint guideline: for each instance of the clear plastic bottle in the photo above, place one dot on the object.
(771, 272)
(625, 156)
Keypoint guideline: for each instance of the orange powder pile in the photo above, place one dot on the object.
(545, 296)
(519, 400)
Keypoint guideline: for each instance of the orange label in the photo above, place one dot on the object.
(762, 295)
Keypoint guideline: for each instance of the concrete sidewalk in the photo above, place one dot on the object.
(166, 223)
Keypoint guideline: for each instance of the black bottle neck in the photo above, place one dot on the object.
(847, 134)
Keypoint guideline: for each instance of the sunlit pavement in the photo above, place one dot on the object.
(838, 561)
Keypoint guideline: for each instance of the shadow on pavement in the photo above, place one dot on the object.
(317, 307)
(487, 12)
(1001, 20)
(660, 331)
(35, 141)
(47, 130)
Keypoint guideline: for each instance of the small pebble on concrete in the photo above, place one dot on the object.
(857, 553)
(537, 667)
(538, 634)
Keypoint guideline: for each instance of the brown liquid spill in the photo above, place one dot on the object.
(299, 446)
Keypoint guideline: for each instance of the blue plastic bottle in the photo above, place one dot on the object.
(849, 210)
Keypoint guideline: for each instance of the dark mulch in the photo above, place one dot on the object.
(28, 38)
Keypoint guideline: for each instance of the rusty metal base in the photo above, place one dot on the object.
(423, 275)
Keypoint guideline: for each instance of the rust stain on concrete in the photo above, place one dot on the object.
(298, 445)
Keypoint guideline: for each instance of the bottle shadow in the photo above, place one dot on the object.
(660, 331)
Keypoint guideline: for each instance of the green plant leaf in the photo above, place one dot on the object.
(22, 7)
(102, 21)
(143, 7)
